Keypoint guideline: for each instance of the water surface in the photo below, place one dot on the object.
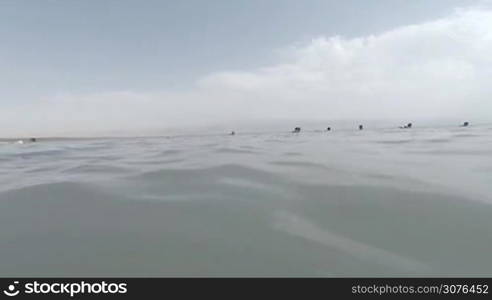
(372, 203)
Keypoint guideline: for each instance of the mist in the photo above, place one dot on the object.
(436, 70)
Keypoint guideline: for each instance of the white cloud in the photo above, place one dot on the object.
(438, 69)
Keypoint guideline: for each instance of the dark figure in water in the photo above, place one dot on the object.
(409, 125)
(465, 124)
(32, 140)
(361, 127)
(233, 133)
(297, 130)
(328, 129)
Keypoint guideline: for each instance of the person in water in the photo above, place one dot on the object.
(361, 127)
(32, 140)
(328, 129)
(297, 130)
(233, 133)
(409, 125)
(465, 124)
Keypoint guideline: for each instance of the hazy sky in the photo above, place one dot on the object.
(96, 67)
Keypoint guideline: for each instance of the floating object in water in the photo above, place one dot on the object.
(30, 140)
(465, 124)
(233, 133)
(328, 129)
(409, 125)
(297, 130)
(361, 127)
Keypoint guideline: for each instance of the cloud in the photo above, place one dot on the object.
(438, 69)
(431, 70)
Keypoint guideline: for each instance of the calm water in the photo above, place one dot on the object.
(372, 203)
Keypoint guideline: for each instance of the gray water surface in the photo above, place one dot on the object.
(372, 203)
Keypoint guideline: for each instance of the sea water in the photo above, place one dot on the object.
(385, 202)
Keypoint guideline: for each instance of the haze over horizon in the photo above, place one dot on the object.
(93, 68)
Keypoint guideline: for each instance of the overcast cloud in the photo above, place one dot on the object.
(438, 69)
